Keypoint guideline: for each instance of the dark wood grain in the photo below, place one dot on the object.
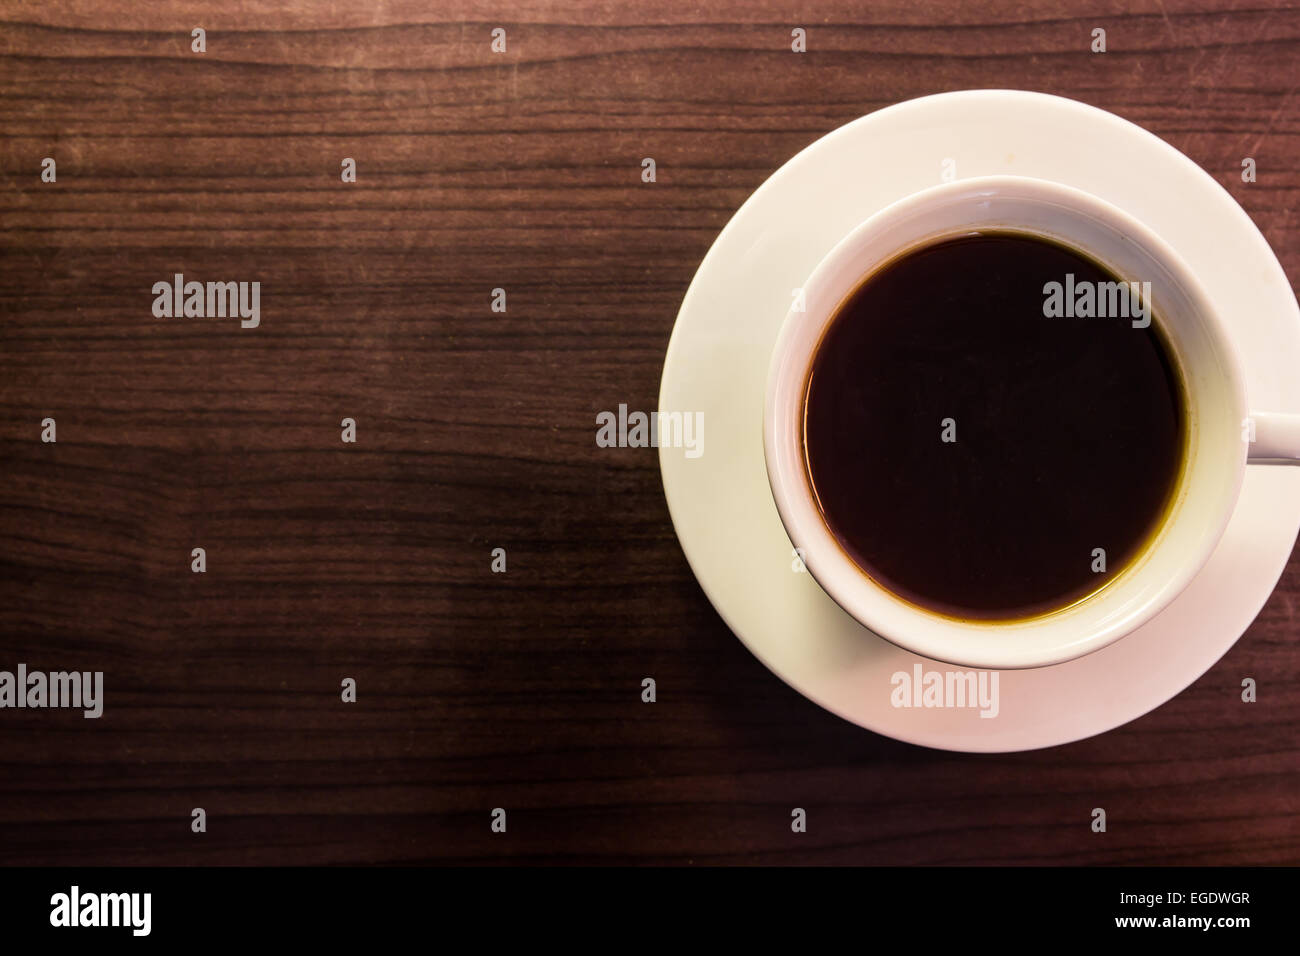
(326, 560)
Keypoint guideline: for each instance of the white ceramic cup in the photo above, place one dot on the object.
(1223, 433)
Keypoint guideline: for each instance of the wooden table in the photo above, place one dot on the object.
(371, 560)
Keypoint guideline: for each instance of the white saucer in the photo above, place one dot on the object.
(717, 364)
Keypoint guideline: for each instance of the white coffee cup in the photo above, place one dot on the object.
(1223, 433)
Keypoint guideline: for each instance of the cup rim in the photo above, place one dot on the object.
(974, 643)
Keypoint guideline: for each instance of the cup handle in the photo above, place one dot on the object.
(1273, 436)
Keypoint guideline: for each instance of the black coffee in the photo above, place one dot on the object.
(977, 457)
